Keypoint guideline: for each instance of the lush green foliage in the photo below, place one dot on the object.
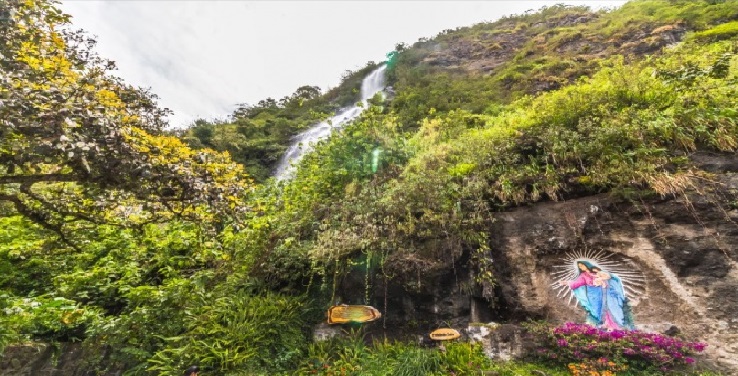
(719, 32)
(104, 219)
(478, 68)
(238, 332)
(80, 148)
(43, 317)
(154, 250)
(353, 357)
(258, 135)
(626, 129)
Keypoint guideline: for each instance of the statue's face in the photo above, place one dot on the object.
(582, 267)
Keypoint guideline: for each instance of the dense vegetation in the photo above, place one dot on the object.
(161, 255)
(257, 136)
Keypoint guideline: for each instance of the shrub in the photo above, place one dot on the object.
(590, 350)
(352, 357)
(720, 32)
(45, 316)
(238, 333)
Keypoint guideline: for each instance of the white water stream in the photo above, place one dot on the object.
(303, 143)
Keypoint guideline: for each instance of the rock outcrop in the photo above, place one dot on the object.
(684, 247)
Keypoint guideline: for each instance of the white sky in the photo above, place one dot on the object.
(204, 57)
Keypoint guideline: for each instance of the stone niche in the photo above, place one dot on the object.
(682, 249)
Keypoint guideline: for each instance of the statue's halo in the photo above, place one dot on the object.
(634, 282)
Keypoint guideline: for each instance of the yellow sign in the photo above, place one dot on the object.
(444, 334)
(344, 314)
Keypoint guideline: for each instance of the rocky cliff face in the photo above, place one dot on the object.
(683, 247)
(525, 47)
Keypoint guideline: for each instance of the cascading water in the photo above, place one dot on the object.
(303, 142)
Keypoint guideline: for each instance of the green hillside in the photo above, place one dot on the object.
(258, 135)
(162, 253)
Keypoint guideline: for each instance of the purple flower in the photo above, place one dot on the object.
(586, 342)
(617, 334)
(699, 347)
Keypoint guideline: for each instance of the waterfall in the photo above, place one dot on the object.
(303, 142)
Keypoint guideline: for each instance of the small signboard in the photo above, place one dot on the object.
(345, 314)
(444, 334)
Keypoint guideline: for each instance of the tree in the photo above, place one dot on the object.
(77, 144)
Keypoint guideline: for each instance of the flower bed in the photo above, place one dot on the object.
(587, 350)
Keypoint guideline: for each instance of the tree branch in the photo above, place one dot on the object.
(25, 179)
(38, 218)
(26, 189)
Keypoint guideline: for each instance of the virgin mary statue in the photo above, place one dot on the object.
(602, 297)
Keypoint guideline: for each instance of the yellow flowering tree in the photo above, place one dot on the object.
(77, 145)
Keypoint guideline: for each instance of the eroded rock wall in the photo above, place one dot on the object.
(685, 247)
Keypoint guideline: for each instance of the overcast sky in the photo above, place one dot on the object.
(204, 57)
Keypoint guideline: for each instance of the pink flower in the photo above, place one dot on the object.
(617, 334)
(699, 346)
